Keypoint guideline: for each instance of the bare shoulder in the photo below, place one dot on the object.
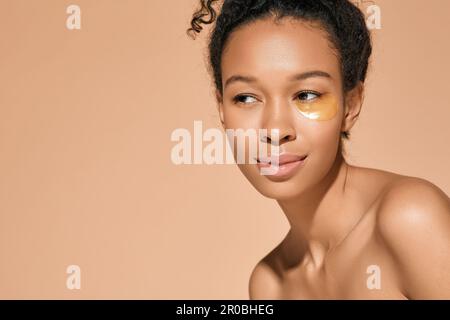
(413, 220)
(414, 201)
(264, 281)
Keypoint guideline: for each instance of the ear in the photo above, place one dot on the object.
(219, 99)
(352, 106)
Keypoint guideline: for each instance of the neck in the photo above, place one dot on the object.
(314, 217)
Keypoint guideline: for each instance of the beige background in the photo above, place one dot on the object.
(85, 170)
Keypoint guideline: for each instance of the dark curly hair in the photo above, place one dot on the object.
(341, 19)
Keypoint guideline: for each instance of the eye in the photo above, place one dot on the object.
(308, 96)
(243, 99)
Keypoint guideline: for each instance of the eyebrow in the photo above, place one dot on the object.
(296, 77)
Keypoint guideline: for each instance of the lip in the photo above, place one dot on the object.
(288, 165)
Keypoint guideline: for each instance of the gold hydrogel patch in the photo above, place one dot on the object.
(322, 108)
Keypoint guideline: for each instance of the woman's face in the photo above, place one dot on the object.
(296, 87)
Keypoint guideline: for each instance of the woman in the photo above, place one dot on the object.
(299, 66)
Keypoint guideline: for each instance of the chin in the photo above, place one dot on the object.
(279, 190)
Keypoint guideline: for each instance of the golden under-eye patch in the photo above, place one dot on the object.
(322, 108)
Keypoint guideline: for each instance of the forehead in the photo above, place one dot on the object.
(267, 49)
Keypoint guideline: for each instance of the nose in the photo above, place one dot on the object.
(277, 115)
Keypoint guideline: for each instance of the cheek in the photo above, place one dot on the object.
(324, 147)
(241, 118)
(319, 122)
(245, 122)
(321, 136)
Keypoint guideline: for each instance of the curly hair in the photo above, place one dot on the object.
(343, 22)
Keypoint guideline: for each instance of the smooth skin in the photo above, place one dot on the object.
(343, 218)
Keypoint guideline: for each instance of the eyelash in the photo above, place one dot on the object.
(311, 92)
(236, 98)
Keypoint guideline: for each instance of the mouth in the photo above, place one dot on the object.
(283, 159)
(286, 166)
